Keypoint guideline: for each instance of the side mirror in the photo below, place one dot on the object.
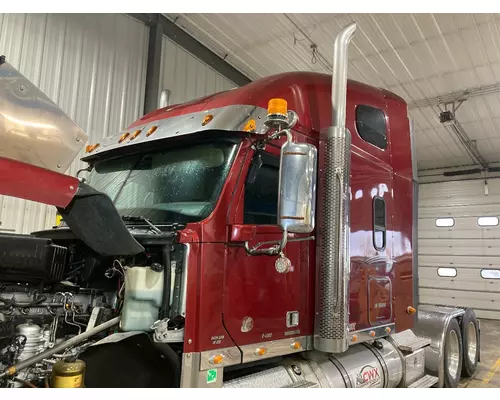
(297, 187)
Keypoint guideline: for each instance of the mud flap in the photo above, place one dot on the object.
(93, 218)
(479, 341)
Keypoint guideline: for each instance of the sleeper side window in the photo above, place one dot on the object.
(371, 125)
(261, 191)
(379, 223)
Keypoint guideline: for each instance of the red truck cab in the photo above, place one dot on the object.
(229, 290)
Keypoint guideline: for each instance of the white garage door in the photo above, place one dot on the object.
(459, 245)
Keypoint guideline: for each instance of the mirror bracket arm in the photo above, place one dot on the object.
(271, 251)
(281, 132)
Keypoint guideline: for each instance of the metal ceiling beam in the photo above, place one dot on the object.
(193, 46)
(153, 67)
(459, 95)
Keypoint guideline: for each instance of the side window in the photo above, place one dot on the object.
(490, 273)
(445, 222)
(447, 272)
(261, 191)
(371, 125)
(487, 221)
(379, 223)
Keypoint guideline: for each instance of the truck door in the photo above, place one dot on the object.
(261, 304)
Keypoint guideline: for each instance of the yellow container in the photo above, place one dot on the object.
(68, 374)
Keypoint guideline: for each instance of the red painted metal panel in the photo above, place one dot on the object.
(28, 182)
(253, 288)
(403, 251)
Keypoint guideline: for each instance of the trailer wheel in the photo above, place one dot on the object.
(452, 355)
(470, 335)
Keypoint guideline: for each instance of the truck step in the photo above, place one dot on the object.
(409, 342)
(300, 385)
(426, 381)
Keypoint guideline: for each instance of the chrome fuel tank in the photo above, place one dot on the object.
(361, 366)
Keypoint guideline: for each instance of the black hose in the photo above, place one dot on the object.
(167, 281)
(12, 303)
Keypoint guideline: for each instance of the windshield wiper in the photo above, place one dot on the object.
(157, 230)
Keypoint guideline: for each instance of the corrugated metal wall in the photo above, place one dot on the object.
(94, 68)
(459, 263)
(186, 77)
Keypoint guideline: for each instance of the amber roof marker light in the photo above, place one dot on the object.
(151, 130)
(124, 137)
(207, 119)
(250, 126)
(91, 147)
(135, 134)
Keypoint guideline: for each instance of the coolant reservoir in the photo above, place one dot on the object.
(143, 298)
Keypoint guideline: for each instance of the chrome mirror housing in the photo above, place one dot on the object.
(297, 187)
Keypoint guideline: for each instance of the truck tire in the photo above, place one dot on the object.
(470, 337)
(452, 355)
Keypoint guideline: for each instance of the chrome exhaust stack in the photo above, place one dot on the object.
(333, 257)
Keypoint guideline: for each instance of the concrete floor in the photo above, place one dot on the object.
(488, 370)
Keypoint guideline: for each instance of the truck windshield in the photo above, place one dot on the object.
(177, 185)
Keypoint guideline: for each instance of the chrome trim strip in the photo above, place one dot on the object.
(309, 342)
(414, 243)
(363, 335)
(413, 151)
(182, 307)
(231, 356)
(274, 348)
(188, 375)
(414, 236)
(230, 118)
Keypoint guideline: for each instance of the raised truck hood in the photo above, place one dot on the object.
(38, 144)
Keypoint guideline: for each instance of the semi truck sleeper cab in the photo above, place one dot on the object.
(259, 237)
